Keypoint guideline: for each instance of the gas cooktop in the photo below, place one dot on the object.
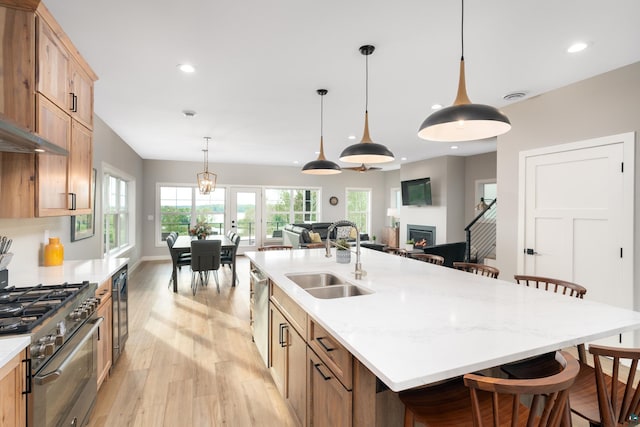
(23, 309)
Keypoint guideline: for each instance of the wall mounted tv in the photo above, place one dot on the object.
(416, 192)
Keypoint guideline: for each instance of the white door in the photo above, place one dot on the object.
(576, 227)
(245, 216)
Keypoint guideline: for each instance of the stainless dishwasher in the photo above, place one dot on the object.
(260, 312)
(120, 319)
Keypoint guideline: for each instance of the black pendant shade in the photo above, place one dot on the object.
(366, 151)
(464, 121)
(321, 166)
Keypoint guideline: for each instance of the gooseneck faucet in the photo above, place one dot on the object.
(359, 272)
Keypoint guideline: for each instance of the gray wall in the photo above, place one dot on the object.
(603, 105)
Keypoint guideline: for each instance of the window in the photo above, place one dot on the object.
(486, 189)
(181, 206)
(289, 205)
(359, 208)
(117, 210)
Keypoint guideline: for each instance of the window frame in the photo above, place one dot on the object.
(368, 212)
(109, 171)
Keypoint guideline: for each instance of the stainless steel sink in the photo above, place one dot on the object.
(338, 291)
(314, 280)
(326, 285)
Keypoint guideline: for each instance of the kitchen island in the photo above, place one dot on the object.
(423, 323)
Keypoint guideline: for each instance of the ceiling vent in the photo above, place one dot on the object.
(514, 96)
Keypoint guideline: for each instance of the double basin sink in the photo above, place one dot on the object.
(326, 285)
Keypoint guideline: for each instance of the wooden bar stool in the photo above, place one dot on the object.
(480, 269)
(477, 400)
(430, 258)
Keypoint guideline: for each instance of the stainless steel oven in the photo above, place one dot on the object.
(64, 390)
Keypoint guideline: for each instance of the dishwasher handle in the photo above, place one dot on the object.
(257, 278)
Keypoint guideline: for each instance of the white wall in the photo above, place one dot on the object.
(603, 105)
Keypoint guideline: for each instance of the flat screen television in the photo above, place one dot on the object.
(416, 192)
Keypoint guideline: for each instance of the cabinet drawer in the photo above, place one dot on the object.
(292, 311)
(332, 353)
(104, 292)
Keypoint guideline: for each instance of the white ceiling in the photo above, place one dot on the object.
(259, 64)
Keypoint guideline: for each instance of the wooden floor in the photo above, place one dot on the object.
(189, 361)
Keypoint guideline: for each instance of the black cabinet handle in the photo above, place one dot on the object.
(74, 102)
(323, 345)
(280, 339)
(28, 376)
(73, 201)
(324, 377)
(285, 340)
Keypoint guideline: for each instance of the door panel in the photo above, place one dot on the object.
(574, 221)
(246, 216)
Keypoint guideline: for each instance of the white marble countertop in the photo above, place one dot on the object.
(10, 346)
(92, 270)
(425, 323)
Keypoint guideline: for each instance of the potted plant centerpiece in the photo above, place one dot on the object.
(201, 230)
(343, 253)
(409, 245)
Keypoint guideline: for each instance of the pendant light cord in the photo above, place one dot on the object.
(206, 155)
(321, 114)
(366, 84)
(462, 32)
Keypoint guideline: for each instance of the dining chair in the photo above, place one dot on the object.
(430, 258)
(315, 245)
(275, 248)
(229, 257)
(205, 257)
(177, 260)
(541, 365)
(595, 398)
(480, 269)
(554, 285)
(478, 400)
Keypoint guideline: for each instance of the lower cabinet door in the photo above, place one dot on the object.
(105, 340)
(277, 357)
(329, 402)
(296, 373)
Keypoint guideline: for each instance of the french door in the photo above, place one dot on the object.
(245, 216)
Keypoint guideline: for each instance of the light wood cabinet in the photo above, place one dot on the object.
(330, 403)
(288, 362)
(105, 331)
(47, 88)
(13, 403)
(391, 236)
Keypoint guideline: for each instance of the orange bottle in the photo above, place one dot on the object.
(53, 252)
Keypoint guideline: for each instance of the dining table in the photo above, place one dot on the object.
(182, 245)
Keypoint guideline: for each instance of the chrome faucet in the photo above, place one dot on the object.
(359, 272)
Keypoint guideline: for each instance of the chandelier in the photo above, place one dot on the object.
(206, 179)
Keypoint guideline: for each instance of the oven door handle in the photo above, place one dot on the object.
(48, 377)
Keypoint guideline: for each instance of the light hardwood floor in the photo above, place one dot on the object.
(189, 361)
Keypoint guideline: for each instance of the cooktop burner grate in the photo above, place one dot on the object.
(22, 309)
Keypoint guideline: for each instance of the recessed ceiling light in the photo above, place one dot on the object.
(351, 137)
(295, 162)
(577, 47)
(186, 68)
(189, 113)
(317, 152)
(436, 106)
(403, 158)
(454, 147)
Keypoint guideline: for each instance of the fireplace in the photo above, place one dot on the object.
(422, 235)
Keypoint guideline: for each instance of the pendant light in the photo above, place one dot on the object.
(321, 166)
(366, 151)
(464, 121)
(206, 179)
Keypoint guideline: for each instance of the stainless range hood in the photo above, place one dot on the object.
(16, 139)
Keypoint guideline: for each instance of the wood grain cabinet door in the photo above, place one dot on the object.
(296, 373)
(52, 170)
(52, 71)
(277, 357)
(105, 337)
(81, 168)
(330, 403)
(82, 95)
(13, 406)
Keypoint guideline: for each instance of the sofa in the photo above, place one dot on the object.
(298, 235)
(452, 252)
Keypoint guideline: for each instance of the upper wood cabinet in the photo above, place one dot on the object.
(47, 87)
